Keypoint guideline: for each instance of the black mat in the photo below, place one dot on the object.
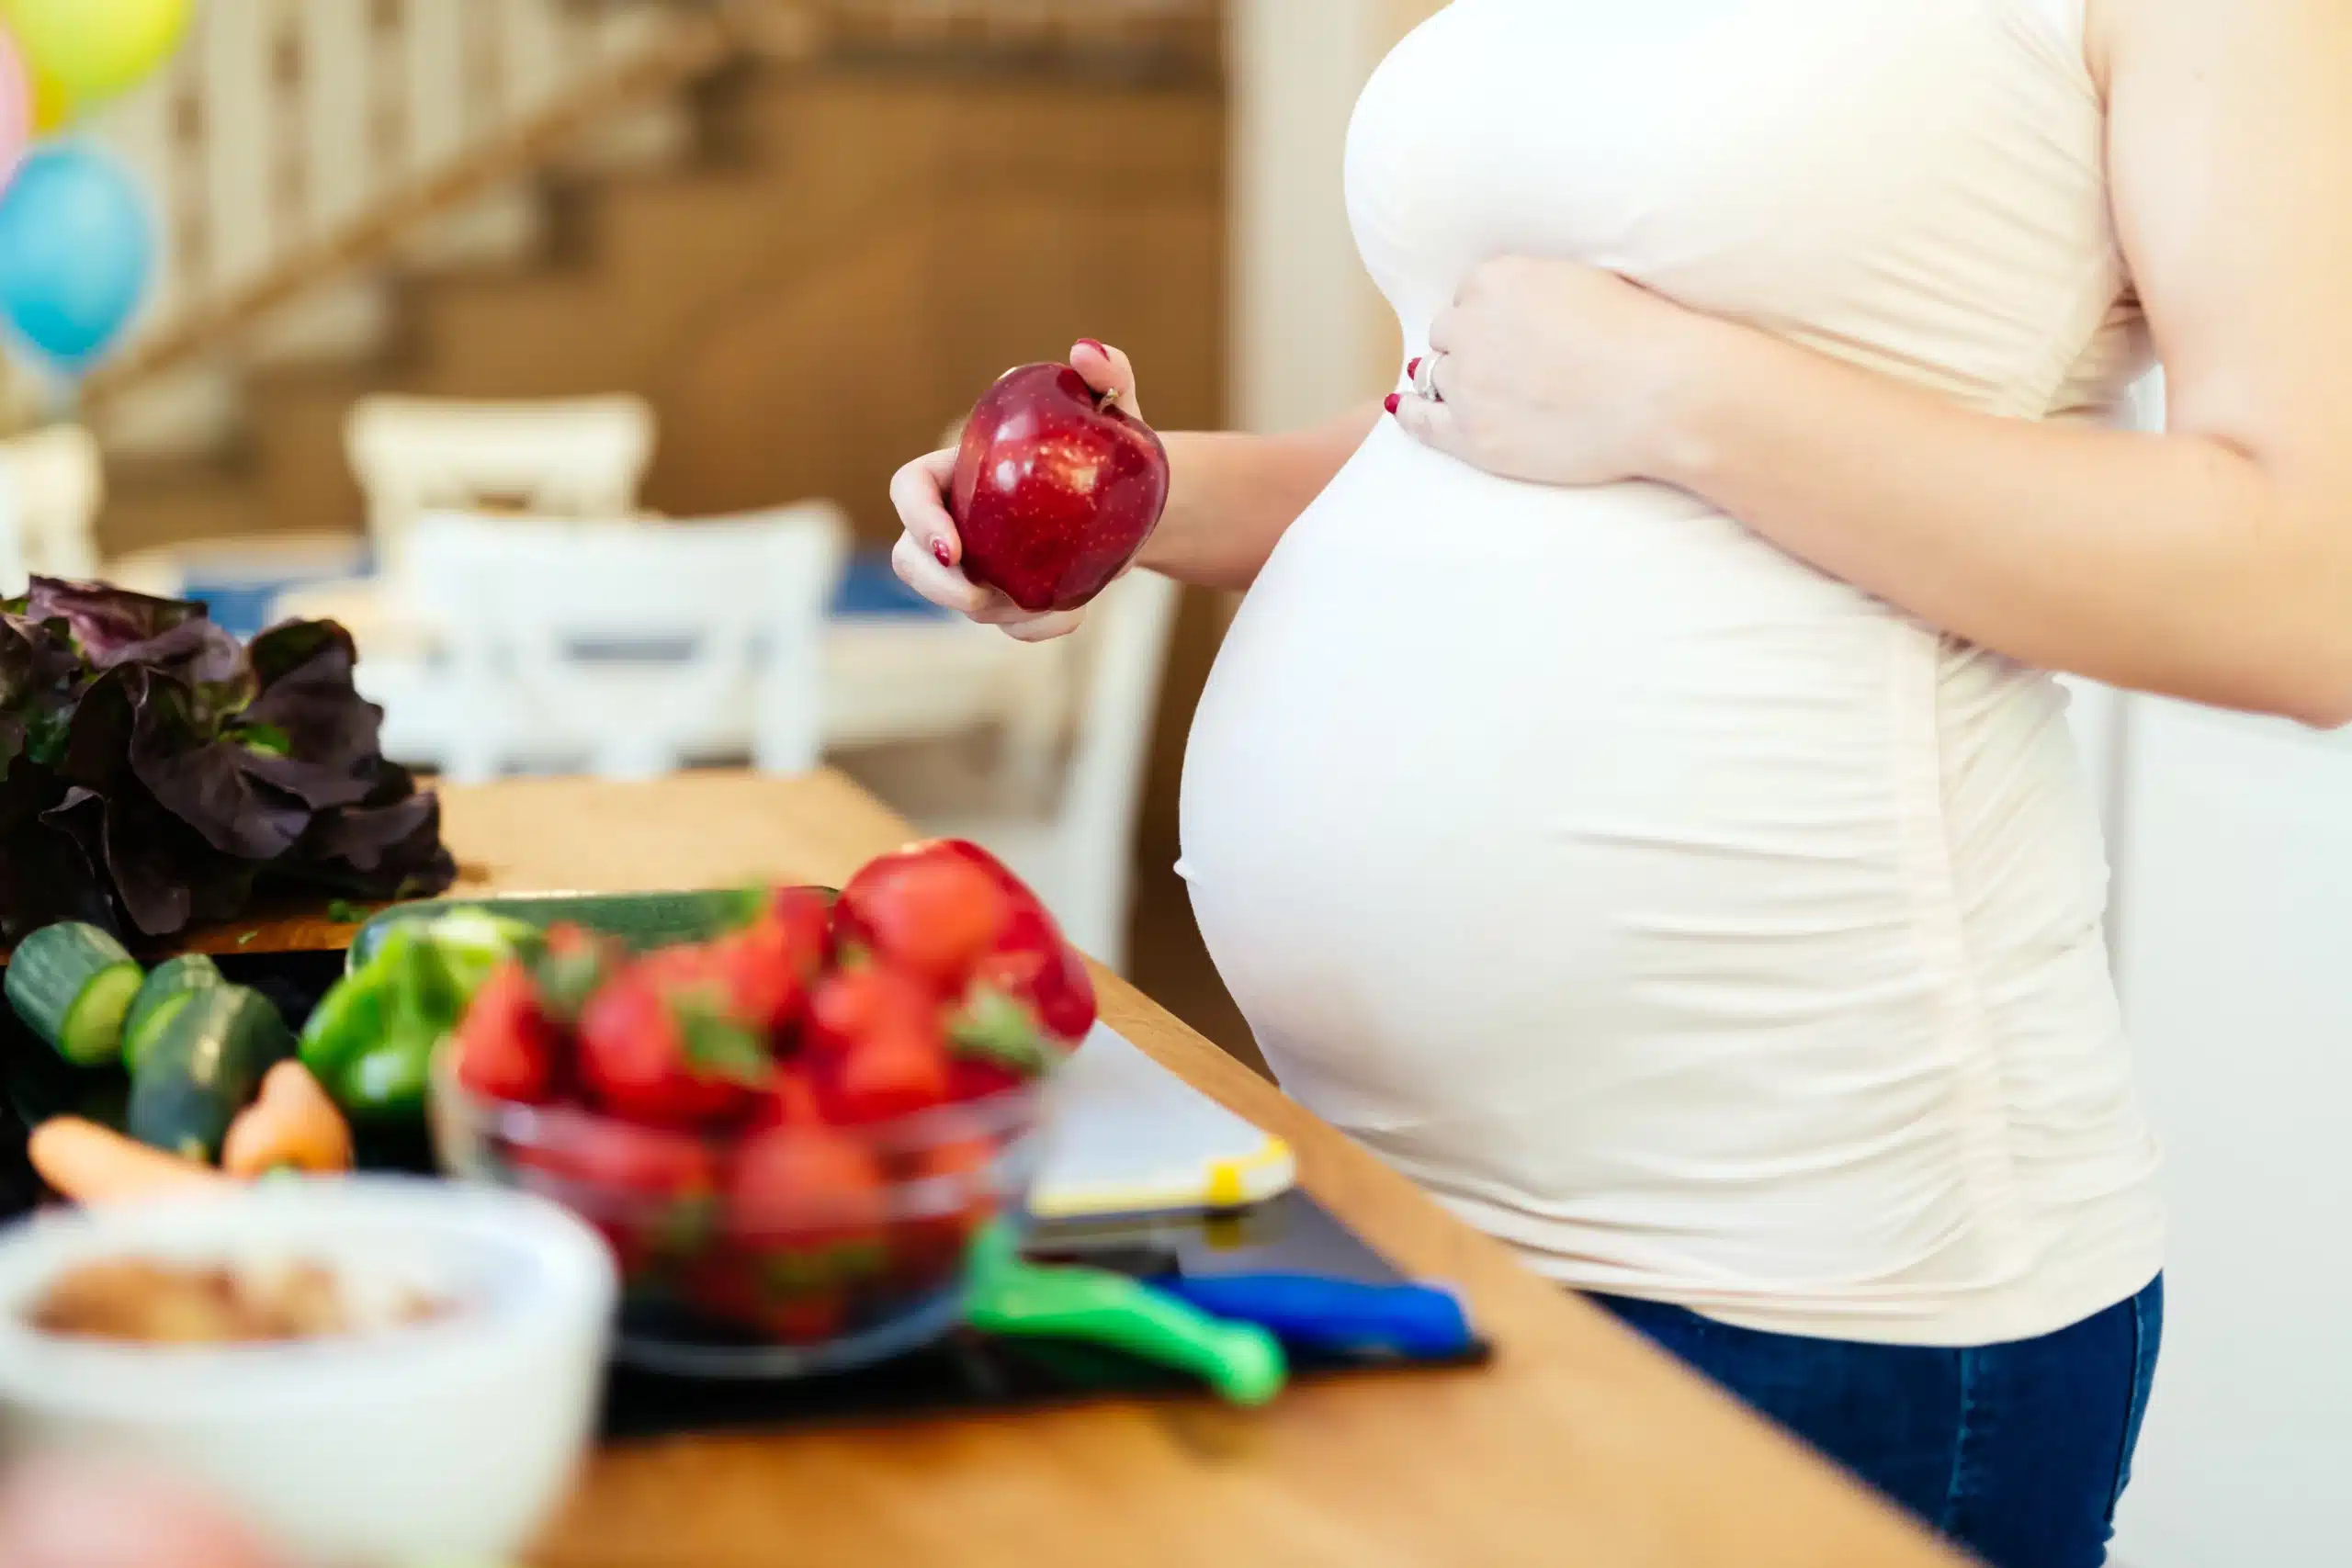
(969, 1372)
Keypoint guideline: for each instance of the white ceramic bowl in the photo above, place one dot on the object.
(453, 1439)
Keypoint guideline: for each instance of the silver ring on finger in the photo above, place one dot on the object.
(1425, 376)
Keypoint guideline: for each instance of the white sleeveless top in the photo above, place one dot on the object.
(1705, 928)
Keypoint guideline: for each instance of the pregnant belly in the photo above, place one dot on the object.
(1573, 847)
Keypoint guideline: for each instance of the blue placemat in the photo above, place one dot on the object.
(238, 589)
(243, 608)
(868, 587)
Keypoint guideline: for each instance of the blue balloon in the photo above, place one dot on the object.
(77, 248)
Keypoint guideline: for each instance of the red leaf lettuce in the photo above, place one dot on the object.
(155, 774)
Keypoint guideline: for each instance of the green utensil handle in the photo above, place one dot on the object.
(1241, 1361)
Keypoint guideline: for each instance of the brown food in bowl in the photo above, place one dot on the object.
(143, 1301)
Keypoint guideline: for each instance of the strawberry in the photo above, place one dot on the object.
(896, 1071)
(810, 1316)
(659, 1043)
(730, 1286)
(874, 1042)
(808, 1207)
(506, 1048)
(770, 963)
(976, 1078)
(894, 904)
(928, 915)
(573, 964)
(806, 1189)
(682, 964)
(1056, 977)
(790, 1100)
(1046, 975)
(951, 1187)
(999, 1016)
(851, 1005)
(800, 920)
(763, 995)
(652, 1192)
(723, 1285)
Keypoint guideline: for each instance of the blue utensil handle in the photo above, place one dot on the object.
(1314, 1312)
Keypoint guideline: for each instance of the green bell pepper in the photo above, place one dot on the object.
(470, 942)
(371, 1039)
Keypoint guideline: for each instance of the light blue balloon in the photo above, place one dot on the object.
(77, 248)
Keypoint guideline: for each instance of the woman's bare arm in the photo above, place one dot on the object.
(2212, 562)
(1232, 496)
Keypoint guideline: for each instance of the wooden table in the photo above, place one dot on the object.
(1578, 1445)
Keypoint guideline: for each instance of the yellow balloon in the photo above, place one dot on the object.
(52, 110)
(93, 49)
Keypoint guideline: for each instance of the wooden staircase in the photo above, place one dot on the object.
(864, 224)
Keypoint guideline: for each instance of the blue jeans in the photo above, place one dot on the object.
(2018, 1452)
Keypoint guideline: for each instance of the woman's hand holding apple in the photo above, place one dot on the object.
(931, 554)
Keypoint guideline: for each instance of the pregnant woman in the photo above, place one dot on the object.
(1632, 800)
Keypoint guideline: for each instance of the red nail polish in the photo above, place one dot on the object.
(1412, 366)
(1089, 342)
(939, 553)
(1390, 403)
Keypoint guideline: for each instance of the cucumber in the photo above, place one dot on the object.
(164, 992)
(72, 984)
(204, 1066)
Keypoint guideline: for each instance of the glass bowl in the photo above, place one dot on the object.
(734, 1259)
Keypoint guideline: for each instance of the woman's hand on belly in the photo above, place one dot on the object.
(2209, 562)
(1555, 372)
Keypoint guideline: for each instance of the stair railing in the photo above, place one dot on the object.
(296, 143)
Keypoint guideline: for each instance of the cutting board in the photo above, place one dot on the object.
(1127, 1136)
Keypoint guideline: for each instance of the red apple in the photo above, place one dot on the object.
(1055, 489)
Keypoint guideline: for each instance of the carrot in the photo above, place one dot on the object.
(291, 1125)
(91, 1164)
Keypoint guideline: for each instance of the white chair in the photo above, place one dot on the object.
(554, 457)
(903, 678)
(51, 482)
(1075, 843)
(632, 647)
(895, 679)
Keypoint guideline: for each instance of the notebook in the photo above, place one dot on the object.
(1127, 1136)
